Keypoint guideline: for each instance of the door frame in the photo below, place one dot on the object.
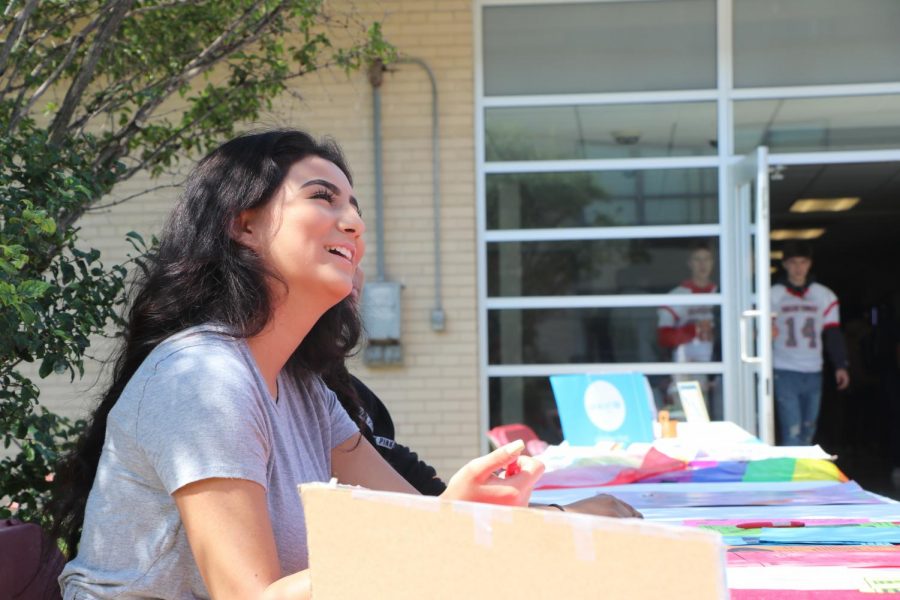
(749, 399)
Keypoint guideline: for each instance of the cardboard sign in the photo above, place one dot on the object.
(615, 406)
(691, 395)
(365, 544)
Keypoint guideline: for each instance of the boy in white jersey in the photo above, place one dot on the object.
(688, 332)
(806, 318)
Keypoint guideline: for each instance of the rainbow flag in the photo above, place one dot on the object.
(769, 469)
(660, 468)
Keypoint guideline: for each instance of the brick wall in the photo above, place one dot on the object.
(433, 396)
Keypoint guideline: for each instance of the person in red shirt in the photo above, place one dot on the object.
(688, 333)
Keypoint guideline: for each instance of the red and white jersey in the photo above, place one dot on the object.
(800, 320)
(677, 326)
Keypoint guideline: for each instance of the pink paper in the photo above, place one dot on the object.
(799, 595)
(735, 522)
(815, 556)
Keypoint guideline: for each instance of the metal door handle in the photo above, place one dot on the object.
(745, 354)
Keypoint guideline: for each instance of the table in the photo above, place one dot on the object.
(785, 574)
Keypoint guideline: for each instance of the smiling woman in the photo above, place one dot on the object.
(310, 233)
(184, 484)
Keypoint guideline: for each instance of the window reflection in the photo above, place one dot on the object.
(529, 400)
(665, 393)
(812, 124)
(815, 42)
(599, 47)
(584, 335)
(602, 198)
(607, 131)
(595, 267)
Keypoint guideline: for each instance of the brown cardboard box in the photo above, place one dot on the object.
(366, 544)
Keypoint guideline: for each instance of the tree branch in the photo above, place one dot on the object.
(11, 74)
(170, 141)
(143, 164)
(49, 29)
(216, 51)
(16, 104)
(164, 5)
(117, 11)
(74, 45)
(18, 27)
(132, 196)
(107, 100)
(196, 66)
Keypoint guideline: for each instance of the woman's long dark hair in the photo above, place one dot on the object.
(200, 274)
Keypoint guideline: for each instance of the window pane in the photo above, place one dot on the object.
(815, 42)
(665, 393)
(530, 400)
(602, 198)
(527, 400)
(800, 125)
(589, 267)
(600, 335)
(605, 131)
(602, 47)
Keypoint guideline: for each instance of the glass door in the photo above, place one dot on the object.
(750, 194)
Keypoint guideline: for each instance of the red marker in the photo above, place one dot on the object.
(513, 468)
(761, 524)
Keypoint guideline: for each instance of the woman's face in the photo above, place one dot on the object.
(310, 232)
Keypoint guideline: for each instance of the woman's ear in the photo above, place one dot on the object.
(244, 229)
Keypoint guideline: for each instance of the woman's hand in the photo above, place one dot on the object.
(479, 481)
(604, 505)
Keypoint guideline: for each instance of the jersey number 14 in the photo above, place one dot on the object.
(808, 331)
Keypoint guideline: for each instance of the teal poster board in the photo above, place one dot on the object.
(612, 407)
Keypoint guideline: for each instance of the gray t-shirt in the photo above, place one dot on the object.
(197, 408)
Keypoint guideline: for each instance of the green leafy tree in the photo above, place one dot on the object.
(93, 92)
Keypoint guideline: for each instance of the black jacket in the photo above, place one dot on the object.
(418, 473)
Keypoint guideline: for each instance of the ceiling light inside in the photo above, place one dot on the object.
(796, 234)
(627, 137)
(808, 205)
(776, 254)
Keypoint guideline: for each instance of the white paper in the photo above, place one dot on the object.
(803, 578)
(691, 396)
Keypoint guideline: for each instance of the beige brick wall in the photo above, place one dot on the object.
(434, 395)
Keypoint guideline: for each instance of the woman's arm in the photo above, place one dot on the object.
(402, 459)
(357, 462)
(228, 527)
(416, 471)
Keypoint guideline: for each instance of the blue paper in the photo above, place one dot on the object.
(838, 493)
(614, 407)
(832, 534)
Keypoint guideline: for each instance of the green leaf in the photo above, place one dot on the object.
(47, 365)
(33, 288)
(26, 313)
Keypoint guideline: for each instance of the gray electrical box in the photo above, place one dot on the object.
(381, 311)
(381, 320)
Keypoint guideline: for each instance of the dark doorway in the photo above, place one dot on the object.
(858, 257)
